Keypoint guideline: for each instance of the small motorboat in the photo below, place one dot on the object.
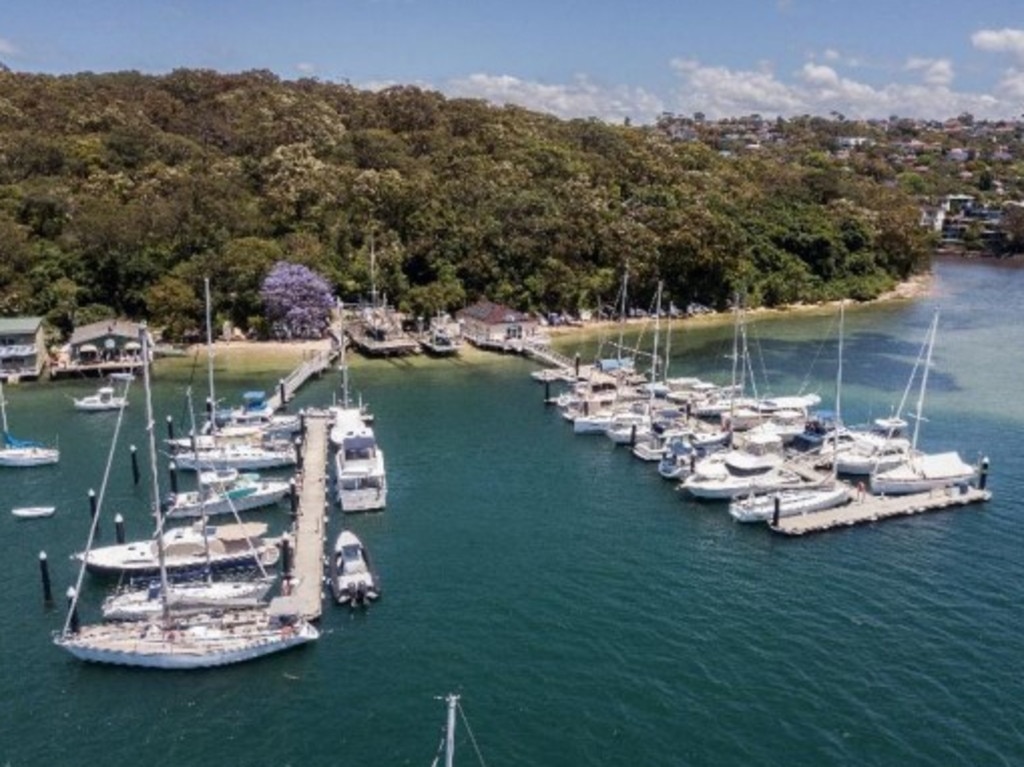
(105, 398)
(33, 512)
(353, 582)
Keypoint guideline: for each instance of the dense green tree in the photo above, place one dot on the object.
(121, 192)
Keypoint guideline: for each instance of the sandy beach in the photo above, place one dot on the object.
(262, 356)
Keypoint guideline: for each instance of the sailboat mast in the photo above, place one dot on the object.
(154, 478)
(209, 353)
(837, 420)
(449, 742)
(3, 406)
(622, 314)
(924, 379)
(342, 363)
(373, 273)
(657, 331)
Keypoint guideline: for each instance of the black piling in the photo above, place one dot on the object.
(44, 573)
(693, 462)
(293, 497)
(547, 392)
(92, 510)
(286, 557)
(298, 454)
(777, 511)
(632, 435)
(284, 399)
(576, 364)
(170, 428)
(119, 528)
(172, 470)
(74, 625)
(983, 475)
(135, 464)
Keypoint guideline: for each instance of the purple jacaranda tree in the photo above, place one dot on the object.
(296, 300)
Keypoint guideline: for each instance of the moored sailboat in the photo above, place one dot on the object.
(182, 641)
(921, 472)
(809, 498)
(20, 453)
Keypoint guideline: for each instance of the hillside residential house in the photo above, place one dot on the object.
(22, 347)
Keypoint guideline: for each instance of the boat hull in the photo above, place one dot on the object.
(255, 500)
(20, 459)
(150, 647)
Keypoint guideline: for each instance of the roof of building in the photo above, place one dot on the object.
(103, 328)
(492, 314)
(20, 325)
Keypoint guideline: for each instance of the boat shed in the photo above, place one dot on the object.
(101, 348)
(489, 323)
(22, 347)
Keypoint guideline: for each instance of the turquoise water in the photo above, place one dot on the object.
(587, 613)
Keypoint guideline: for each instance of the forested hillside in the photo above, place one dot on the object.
(120, 192)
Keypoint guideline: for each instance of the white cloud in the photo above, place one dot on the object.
(7, 48)
(936, 71)
(820, 75)
(820, 89)
(305, 67)
(831, 54)
(1012, 85)
(727, 92)
(1000, 41)
(579, 98)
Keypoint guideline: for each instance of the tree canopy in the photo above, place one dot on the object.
(120, 192)
(297, 301)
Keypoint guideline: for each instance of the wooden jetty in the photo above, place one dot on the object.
(874, 508)
(312, 366)
(310, 526)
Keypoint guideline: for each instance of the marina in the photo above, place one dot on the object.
(489, 485)
(874, 508)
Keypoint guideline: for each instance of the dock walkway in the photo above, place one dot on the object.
(309, 528)
(310, 367)
(873, 508)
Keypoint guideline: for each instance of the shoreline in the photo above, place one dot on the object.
(244, 356)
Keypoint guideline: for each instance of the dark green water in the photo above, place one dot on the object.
(585, 611)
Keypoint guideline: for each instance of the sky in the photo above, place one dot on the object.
(606, 59)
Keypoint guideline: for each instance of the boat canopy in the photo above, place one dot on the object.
(358, 442)
(254, 399)
(11, 441)
(608, 365)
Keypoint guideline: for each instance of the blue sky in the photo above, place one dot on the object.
(572, 58)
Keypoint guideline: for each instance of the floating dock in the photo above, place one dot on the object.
(874, 508)
(310, 526)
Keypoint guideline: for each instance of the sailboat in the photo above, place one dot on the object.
(238, 447)
(446, 747)
(920, 472)
(135, 604)
(21, 453)
(800, 500)
(379, 332)
(181, 641)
